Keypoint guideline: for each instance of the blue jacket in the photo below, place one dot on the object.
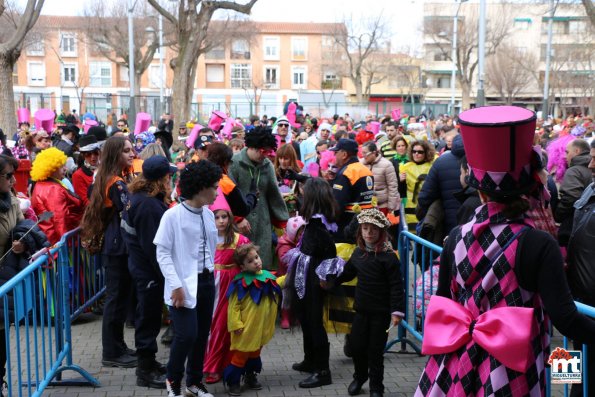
(442, 182)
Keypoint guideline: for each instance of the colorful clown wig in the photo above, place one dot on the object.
(46, 162)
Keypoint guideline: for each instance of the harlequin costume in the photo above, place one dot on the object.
(253, 300)
(487, 330)
(217, 356)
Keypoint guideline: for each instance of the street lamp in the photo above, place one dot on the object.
(455, 24)
(480, 100)
(131, 72)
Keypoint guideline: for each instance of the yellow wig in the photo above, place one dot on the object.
(46, 162)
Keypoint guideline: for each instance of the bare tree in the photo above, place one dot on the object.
(404, 73)
(14, 26)
(590, 10)
(358, 42)
(194, 36)
(107, 34)
(509, 71)
(440, 32)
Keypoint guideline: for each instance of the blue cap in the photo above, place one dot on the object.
(348, 145)
(156, 167)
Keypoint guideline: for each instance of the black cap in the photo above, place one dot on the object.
(88, 143)
(348, 145)
(166, 137)
(99, 133)
(156, 167)
(202, 141)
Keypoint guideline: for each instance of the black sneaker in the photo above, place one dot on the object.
(150, 378)
(234, 389)
(124, 361)
(303, 366)
(174, 389)
(198, 390)
(251, 381)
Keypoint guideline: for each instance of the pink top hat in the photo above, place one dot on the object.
(396, 114)
(374, 127)
(23, 115)
(88, 124)
(44, 118)
(220, 202)
(216, 120)
(143, 122)
(499, 147)
(226, 131)
(193, 135)
(291, 115)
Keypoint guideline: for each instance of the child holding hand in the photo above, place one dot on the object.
(253, 298)
(379, 299)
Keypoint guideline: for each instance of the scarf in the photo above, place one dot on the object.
(401, 158)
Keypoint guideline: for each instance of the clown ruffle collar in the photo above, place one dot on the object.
(256, 284)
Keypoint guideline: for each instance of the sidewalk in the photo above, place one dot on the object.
(402, 370)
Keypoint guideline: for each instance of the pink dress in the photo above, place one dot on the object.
(217, 355)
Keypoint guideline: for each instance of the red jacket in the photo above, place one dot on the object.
(81, 180)
(50, 195)
(283, 245)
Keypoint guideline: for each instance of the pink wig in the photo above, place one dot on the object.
(556, 152)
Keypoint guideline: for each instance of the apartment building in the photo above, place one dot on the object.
(60, 68)
(515, 72)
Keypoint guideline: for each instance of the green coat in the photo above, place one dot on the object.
(271, 207)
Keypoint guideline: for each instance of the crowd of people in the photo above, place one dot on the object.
(226, 224)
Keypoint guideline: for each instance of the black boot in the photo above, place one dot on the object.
(251, 381)
(148, 373)
(317, 379)
(355, 387)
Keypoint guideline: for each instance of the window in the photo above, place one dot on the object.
(271, 48)
(68, 44)
(216, 53)
(271, 76)
(36, 73)
(298, 77)
(522, 23)
(124, 73)
(241, 75)
(68, 73)
(299, 48)
(100, 74)
(330, 80)
(520, 50)
(240, 49)
(328, 41)
(443, 82)
(577, 26)
(155, 80)
(215, 73)
(36, 46)
(559, 27)
(440, 56)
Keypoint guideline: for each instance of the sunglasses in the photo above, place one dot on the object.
(8, 175)
(418, 151)
(283, 125)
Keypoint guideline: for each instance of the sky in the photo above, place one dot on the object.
(405, 15)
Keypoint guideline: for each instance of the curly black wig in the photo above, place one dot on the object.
(260, 138)
(198, 176)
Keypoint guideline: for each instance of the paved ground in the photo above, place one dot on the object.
(402, 370)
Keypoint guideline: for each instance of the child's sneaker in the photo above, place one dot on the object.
(252, 382)
(198, 390)
(4, 389)
(174, 389)
(234, 389)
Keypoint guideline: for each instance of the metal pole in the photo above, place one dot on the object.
(132, 105)
(548, 58)
(451, 109)
(480, 100)
(161, 69)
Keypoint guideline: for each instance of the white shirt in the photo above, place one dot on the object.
(182, 251)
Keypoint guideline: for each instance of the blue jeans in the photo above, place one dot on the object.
(191, 332)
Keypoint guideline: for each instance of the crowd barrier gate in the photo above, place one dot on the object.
(38, 306)
(414, 250)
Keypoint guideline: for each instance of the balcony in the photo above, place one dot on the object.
(331, 84)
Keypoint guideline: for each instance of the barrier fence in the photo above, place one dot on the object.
(414, 251)
(38, 305)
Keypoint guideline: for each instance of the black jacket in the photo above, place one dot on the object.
(379, 284)
(470, 201)
(442, 182)
(140, 222)
(581, 249)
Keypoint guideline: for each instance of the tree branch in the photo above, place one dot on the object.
(28, 19)
(165, 13)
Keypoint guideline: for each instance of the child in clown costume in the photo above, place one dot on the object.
(253, 298)
(217, 356)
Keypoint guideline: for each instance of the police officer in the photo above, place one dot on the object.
(353, 186)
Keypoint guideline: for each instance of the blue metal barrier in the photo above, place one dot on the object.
(414, 250)
(37, 326)
(86, 275)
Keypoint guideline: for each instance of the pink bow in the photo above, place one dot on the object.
(504, 332)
